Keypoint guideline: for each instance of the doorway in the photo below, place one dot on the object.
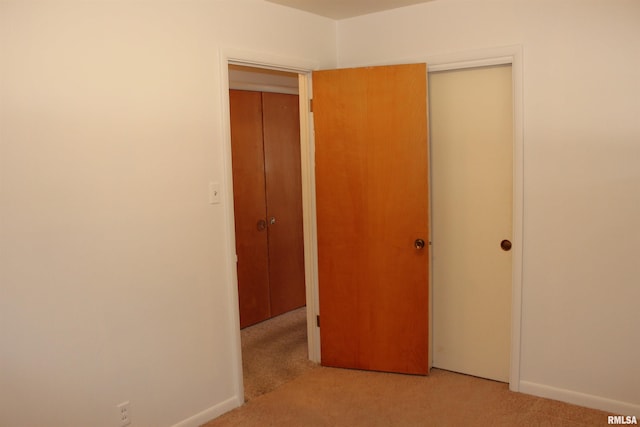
(485, 57)
(267, 189)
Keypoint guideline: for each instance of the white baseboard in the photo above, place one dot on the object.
(210, 413)
(587, 400)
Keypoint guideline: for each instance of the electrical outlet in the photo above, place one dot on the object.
(124, 413)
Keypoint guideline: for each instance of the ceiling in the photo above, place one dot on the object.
(340, 9)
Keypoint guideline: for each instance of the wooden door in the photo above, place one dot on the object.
(472, 187)
(250, 206)
(281, 124)
(372, 206)
(265, 142)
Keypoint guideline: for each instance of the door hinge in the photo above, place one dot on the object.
(311, 105)
(318, 320)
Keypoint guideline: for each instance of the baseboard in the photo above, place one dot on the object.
(210, 413)
(590, 401)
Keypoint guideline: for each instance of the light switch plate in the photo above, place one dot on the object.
(214, 193)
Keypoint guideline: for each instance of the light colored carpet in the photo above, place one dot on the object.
(341, 397)
(283, 388)
(274, 352)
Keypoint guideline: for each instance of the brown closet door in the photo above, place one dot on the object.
(250, 206)
(281, 124)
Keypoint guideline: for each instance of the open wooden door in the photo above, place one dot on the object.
(372, 217)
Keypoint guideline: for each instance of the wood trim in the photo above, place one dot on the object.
(309, 215)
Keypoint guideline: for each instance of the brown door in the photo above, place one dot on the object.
(281, 124)
(372, 207)
(265, 144)
(250, 206)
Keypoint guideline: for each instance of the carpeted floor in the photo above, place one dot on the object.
(341, 397)
(274, 352)
(283, 388)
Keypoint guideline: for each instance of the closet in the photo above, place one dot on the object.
(265, 146)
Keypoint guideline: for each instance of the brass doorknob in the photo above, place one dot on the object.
(505, 245)
(419, 244)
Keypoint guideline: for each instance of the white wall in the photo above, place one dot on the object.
(113, 267)
(581, 283)
(114, 278)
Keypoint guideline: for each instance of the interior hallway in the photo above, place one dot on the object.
(274, 352)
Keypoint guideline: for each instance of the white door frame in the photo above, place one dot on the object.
(511, 55)
(486, 57)
(303, 68)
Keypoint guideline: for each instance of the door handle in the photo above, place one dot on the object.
(272, 220)
(261, 225)
(505, 245)
(419, 244)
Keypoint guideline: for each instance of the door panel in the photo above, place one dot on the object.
(471, 113)
(281, 124)
(249, 205)
(372, 204)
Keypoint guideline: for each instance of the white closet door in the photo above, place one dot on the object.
(472, 186)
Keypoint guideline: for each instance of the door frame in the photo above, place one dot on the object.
(303, 68)
(508, 55)
(469, 59)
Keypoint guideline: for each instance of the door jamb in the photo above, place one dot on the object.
(303, 68)
(487, 57)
